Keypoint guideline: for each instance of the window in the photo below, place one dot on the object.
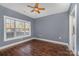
(27, 28)
(19, 28)
(9, 28)
(16, 28)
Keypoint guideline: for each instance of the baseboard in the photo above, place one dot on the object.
(78, 53)
(71, 50)
(7, 46)
(52, 41)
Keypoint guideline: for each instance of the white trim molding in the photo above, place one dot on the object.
(73, 37)
(7, 46)
(78, 53)
(63, 43)
(57, 42)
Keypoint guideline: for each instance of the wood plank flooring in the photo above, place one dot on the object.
(36, 48)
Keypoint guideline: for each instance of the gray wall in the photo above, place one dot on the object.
(52, 27)
(11, 13)
(78, 27)
(1, 28)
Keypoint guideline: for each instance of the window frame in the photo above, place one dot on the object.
(15, 37)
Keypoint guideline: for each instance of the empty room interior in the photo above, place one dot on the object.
(39, 29)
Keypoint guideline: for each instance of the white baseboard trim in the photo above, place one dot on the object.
(52, 41)
(71, 50)
(62, 43)
(7, 46)
(78, 53)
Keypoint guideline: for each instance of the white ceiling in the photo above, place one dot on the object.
(50, 8)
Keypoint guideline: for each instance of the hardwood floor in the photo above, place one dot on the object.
(37, 48)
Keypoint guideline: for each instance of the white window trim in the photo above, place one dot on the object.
(18, 37)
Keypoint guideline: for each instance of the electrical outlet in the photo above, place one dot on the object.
(60, 37)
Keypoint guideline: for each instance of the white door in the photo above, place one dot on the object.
(72, 29)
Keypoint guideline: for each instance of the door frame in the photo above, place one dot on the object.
(70, 17)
